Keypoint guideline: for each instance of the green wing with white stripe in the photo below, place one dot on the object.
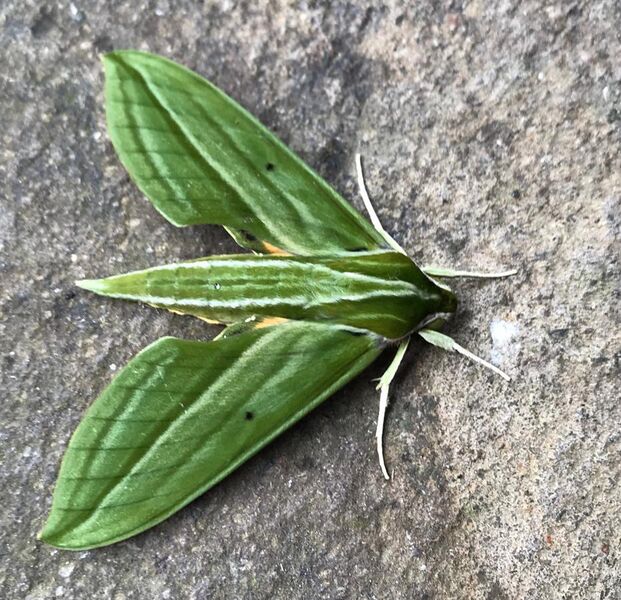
(183, 414)
(201, 158)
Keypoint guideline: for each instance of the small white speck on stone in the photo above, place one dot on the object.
(97, 136)
(27, 452)
(113, 367)
(162, 8)
(540, 76)
(73, 9)
(66, 570)
(503, 334)
(606, 93)
(73, 258)
(59, 591)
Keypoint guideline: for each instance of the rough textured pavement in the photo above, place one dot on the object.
(491, 133)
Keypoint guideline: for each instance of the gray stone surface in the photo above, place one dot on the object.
(491, 134)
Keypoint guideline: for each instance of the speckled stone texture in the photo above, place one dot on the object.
(491, 132)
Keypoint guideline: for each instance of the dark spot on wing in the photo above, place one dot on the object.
(249, 416)
(270, 166)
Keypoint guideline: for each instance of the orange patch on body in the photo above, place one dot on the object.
(271, 249)
(269, 321)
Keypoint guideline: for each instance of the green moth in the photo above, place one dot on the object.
(322, 294)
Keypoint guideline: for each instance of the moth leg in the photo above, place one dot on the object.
(435, 338)
(383, 385)
(372, 214)
(433, 271)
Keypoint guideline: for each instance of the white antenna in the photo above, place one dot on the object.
(372, 214)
